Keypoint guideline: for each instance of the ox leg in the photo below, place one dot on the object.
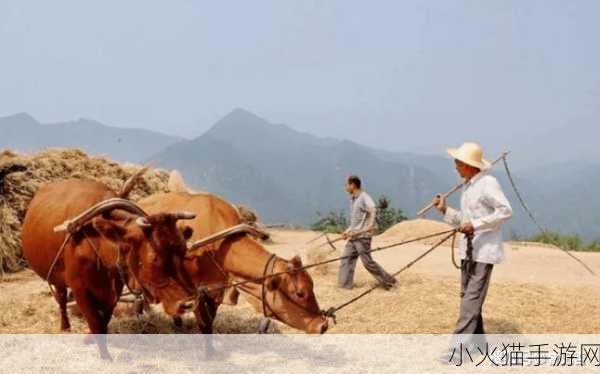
(61, 298)
(178, 322)
(97, 320)
(205, 314)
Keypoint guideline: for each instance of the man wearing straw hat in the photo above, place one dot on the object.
(483, 210)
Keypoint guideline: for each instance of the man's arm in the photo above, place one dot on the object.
(371, 223)
(451, 216)
(495, 199)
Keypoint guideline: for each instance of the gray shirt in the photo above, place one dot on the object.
(359, 208)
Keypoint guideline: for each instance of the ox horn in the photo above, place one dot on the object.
(185, 215)
(74, 224)
(143, 222)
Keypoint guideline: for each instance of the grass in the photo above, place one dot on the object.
(572, 242)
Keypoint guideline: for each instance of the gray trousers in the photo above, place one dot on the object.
(360, 248)
(475, 281)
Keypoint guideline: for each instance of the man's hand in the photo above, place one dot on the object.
(439, 201)
(467, 228)
(347, 234)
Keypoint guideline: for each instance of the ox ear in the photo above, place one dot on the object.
(187, 232)
(295, 262)
(273, 283)
(110, 230)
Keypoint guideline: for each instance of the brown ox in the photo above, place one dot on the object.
(109, 241)
(288, 297)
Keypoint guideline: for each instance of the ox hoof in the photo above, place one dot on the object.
(263, 325)
(139, 307)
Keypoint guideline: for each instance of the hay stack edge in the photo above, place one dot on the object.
(21, 175)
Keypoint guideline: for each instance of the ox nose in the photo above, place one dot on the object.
(324, 327)
(318, 326)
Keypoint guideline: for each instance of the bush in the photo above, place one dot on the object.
(333, 222)
(336, 221)
(593, 246)
(568, 242)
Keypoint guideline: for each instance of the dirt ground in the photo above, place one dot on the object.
(537, 289)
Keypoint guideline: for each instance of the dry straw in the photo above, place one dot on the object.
(53, 165)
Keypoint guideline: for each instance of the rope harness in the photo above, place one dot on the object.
(263, 288)
(269, 267)
(331, 312)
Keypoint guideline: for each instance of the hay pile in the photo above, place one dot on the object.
(407, 230)
(53, 165)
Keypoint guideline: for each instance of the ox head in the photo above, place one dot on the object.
(150, 248)
(290, 298)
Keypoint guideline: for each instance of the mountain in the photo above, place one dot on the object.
(24, 133)
(287, 175)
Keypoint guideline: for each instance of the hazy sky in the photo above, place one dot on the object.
(394, 74)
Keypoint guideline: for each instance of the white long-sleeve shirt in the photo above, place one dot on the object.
(484, 205)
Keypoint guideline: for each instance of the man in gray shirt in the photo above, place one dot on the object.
(362, 227)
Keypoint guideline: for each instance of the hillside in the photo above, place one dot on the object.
(288, 175)
(24, 133)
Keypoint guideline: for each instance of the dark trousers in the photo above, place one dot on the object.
(475, 281)
(355, 249)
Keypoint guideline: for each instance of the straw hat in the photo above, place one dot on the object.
(470, 154)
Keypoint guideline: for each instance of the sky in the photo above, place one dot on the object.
(398, 75)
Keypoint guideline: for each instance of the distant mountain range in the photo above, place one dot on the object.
(23, 132)
(289, 176)
(286, 175)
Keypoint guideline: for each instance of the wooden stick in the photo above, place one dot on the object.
(427, 208)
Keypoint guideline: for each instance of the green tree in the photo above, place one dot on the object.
(387, 216)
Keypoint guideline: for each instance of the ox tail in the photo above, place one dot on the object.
(130, 183)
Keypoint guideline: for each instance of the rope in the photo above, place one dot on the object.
(535, 221)
(260, 279)
(331, 311)
(58, 254)
(452, 253)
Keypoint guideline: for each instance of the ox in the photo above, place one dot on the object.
(288, 297)
(110, 242)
